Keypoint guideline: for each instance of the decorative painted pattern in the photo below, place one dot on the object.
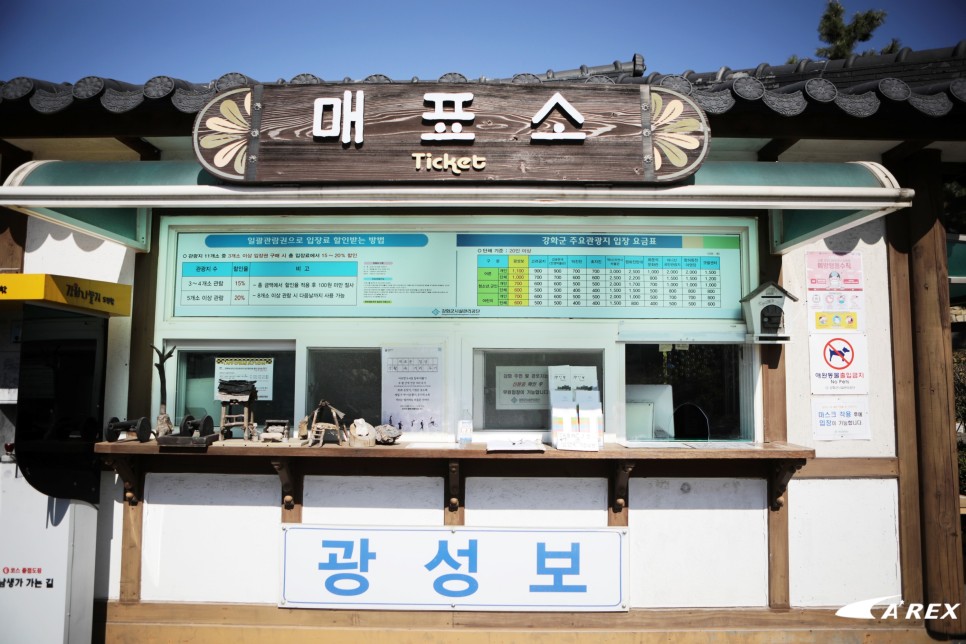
(224, 129)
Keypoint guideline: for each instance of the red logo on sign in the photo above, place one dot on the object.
(838, 354)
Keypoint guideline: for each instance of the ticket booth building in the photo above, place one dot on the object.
(692, 331)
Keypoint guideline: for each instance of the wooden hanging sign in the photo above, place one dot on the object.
(418, 132)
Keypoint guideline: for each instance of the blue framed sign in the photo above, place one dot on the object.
(456, 568)
(467, 275)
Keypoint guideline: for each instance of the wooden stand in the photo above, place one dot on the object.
(246, 419)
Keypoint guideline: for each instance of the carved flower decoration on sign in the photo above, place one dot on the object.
(230, 131)
(671, 134)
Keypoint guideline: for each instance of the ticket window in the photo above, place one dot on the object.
(683, 392)
(513, 390)
(348, 378)
(199, 370)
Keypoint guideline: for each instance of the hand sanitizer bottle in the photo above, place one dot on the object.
(464, 430)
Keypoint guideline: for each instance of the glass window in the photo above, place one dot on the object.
(515, 391)
(197, 384)
(350, 379)
(689, 392)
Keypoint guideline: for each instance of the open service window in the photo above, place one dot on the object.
(424, 320)
(683, 391)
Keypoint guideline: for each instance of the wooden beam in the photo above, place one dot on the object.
(132, 532)
(618, 489)
(779, 590)
(935, 409)
(146, 151)
(775, 430)
(142, 330)
(849, 468)
(233, 623)
(454, 510)
(11, 158)
(904, 392)
(903, 151)
(775, 148)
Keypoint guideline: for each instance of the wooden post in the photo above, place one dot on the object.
(132, 532)
(904, 390)
(935, 409)
(775, 409)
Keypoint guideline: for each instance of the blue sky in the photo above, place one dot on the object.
(199, 41)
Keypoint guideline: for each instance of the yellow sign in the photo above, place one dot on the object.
(836, 320)
(74, 292)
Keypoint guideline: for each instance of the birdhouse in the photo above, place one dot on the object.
(764, 310)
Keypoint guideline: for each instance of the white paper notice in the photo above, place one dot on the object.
(258, 370)
(521, 387)
(412, 388)
(841, 418)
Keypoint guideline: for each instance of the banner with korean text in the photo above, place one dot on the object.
(455, 568)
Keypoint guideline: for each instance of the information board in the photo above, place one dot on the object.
(448, 274)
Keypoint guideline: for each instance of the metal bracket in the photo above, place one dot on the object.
(455, 499)
(622, 472)
(283, 468)
(129, 475)
(779, 474)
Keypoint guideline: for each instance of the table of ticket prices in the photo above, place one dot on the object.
(599, 281)
(445, 274)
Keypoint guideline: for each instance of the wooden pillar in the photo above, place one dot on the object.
(775, 421)
(776, 430)
(935, 409)
(904, 392)
(131, 538)
(141, 367)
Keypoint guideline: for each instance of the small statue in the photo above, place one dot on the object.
(164, 424)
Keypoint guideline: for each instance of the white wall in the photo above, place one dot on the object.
(698, 543)
(211, 538)
(868, 241)
(843, 541)
(372, 500)
(110, 522)
(47, 546)
(527, 502)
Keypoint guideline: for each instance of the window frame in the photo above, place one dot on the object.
(460, 338)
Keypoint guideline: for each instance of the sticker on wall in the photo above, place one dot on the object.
(838, 363)
(840, 418)
(836, 292)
